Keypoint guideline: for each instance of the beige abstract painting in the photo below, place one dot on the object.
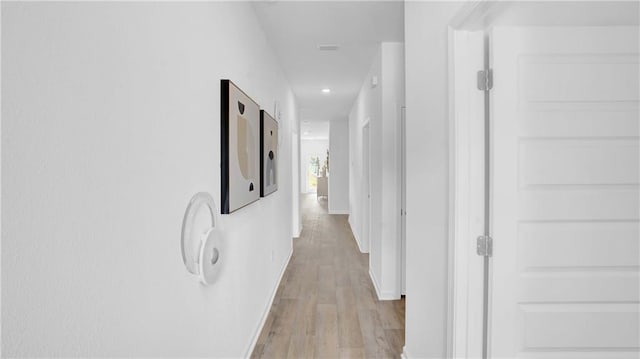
(240, 141)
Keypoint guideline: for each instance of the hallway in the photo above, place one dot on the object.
(326, 305)
(482, 156)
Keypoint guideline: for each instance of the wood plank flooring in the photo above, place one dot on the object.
(326, 306)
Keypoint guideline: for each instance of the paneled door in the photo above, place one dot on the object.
(565, 199)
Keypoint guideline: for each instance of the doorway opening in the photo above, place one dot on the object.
(314, 149)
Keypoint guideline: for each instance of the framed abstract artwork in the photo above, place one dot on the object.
(240, 141)
(268, 154)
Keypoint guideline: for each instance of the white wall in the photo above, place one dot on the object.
(380, 105)
(427, 176)
(366, 109)
(308, 149)
(339, 167)
(110, 123)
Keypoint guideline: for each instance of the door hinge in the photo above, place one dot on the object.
(484, 246)
(485, 80)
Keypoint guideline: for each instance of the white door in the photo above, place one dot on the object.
(565, 193)
(366, 195)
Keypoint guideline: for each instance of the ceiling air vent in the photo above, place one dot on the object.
(328, 47)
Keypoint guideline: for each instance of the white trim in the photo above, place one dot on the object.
(267, 309)
(296, 201)
(388, 295)
(466, 118)
(1, 168)
(338, 211)
(477, 15)
(466, 176)
(367, 124)
(404, 354)
(451, 262)
(402, 191)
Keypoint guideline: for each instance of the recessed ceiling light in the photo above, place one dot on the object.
(326, 90)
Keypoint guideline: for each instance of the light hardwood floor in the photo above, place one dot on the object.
(326, 306)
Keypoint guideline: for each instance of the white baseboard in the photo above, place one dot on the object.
(404, 354)
(355, 235)
(351, 224)
(297, 235)
(381, 295)
(265, 315)
(338, 211)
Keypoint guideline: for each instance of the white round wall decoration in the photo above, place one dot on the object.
(202, 252)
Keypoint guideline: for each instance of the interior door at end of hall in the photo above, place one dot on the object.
(565, 161)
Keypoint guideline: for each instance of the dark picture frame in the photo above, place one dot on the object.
(240, 153)
(268, 154)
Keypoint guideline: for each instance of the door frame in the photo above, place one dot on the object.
(366, 153)
(466, 139)
(403, 201)
(466, 110)
(295, 163)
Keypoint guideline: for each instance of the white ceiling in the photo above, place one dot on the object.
(296, 28)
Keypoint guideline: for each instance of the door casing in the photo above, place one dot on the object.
(366, 164)
(466, 178)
